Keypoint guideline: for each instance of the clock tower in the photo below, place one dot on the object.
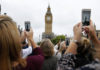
(48, 24)
(48, 21)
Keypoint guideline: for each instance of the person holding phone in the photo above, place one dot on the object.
(10, 48)
(35, 61)
(61, 50)
(67, 62)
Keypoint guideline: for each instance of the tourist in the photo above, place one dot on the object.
(67, 62)
(50, 61)
(10, 48)
(61, 50)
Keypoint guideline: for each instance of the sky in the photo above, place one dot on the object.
(66, 13)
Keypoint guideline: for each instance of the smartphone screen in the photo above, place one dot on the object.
(86, 13)
(27, 25)
(67, 41)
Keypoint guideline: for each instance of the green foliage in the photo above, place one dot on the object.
(57, 39)
(38, 43)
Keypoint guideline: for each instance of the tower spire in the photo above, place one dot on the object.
(48, 9)
(48, 5)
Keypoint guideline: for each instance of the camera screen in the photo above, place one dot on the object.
(86, 16)
(67, 41)
(27, 26)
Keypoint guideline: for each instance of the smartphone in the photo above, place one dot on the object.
(86, 13)
(27, 25)
(67, 41)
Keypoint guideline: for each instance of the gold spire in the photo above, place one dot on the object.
(49, 9)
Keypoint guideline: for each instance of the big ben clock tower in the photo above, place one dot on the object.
(48, 21)
(48, 25)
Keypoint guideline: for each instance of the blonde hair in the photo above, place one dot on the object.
(85, 48)
(62, 46)
(10, 46)
(47, 47)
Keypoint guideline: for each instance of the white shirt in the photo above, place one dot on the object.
(26, 52)
(55, 49)
(58, 55)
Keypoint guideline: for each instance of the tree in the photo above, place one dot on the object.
(38, 43)
(58, 38)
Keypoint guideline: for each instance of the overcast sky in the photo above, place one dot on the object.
(66, 13)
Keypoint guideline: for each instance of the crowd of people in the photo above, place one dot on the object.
(17, 54)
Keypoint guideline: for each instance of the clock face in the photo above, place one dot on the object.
(48, 18)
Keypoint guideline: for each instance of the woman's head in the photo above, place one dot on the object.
(47, 47)
(84, 53)
(10, 46)
(85, 48)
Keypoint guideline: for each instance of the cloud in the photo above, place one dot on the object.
(66, 13)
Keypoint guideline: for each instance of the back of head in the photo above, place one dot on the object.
(10, 47)
(84, 52)
(47, 47)
(85, 47)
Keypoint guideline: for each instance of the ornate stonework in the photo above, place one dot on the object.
(48, 25)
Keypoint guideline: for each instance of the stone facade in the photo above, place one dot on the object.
(48, 25)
